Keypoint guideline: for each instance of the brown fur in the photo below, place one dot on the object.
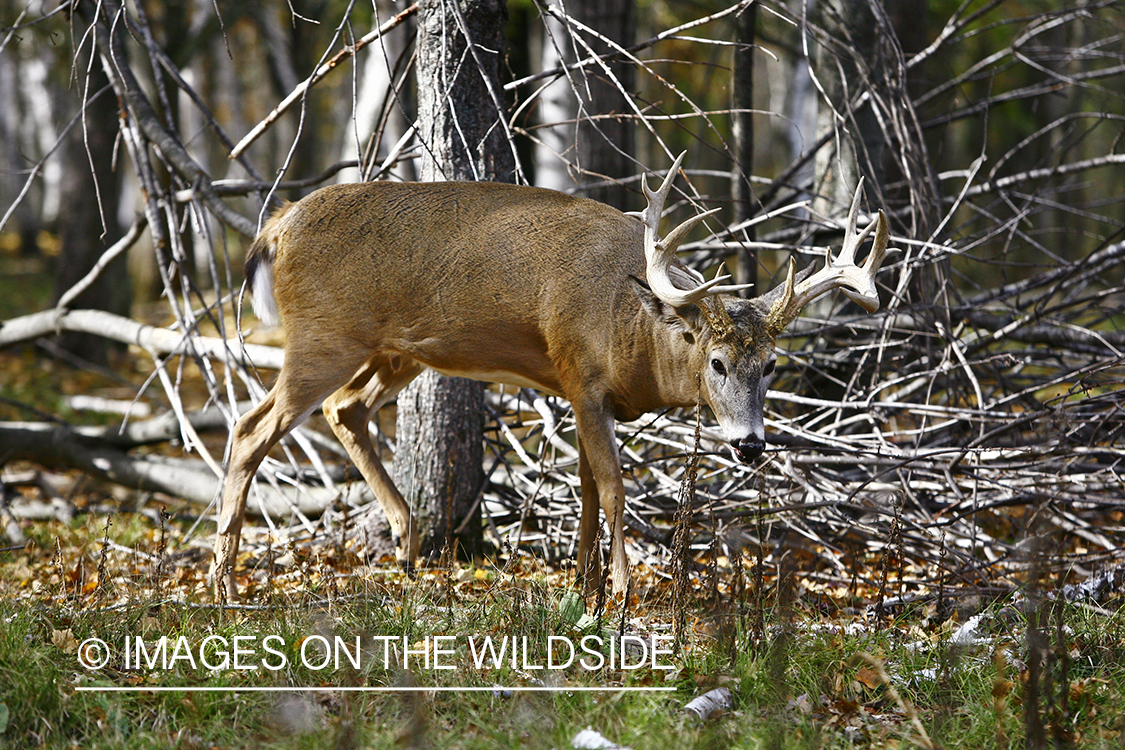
(376, 281)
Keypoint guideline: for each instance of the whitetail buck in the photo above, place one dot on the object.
(517, 285)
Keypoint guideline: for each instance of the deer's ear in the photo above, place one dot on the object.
(686, 320)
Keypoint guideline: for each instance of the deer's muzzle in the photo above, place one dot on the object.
(747, 449)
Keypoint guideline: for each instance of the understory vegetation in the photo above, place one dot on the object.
(928, 554)
(805, 666)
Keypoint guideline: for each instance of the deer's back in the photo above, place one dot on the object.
(423, 268)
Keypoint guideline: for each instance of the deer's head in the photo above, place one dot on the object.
(732, 340)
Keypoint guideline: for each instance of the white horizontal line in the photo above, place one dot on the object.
(343, 689)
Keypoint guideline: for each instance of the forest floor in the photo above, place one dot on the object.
(111, 636)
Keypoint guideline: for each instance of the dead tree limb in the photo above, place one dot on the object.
(157, 341)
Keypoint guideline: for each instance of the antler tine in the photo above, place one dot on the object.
(869, 298)
(661, 253)
(650, 217)
(665, 187)
(857, 282)
(852, 241)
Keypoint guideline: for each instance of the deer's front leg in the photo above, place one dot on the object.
(589, 554)
(600, 471)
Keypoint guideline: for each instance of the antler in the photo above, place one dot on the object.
(857, 282)
(661, 253)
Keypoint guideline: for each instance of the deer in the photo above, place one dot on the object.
(516, 285)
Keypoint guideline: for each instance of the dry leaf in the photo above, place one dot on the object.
(868, 677)
(65, 640)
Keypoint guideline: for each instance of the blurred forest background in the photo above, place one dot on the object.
(976, 417)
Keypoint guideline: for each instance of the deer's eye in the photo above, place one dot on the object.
(768, 369)
(719, 368)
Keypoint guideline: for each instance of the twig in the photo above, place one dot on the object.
(298, 93)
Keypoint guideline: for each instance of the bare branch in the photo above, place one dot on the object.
(158, 341)
(299, 92)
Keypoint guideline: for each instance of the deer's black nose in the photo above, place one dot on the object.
(747, 449)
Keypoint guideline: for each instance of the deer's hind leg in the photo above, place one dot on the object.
(297, 392)
(348, 411)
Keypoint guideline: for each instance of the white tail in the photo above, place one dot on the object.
(260, 280)
(376, 281)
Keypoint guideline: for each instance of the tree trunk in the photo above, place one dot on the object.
(379, 118)
(605, 132)
(439, 434)
(845, 70)
(88, 217)
(555, 136)
(742, 195)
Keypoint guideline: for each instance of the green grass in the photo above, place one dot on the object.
(802, 685)
(799, 678)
